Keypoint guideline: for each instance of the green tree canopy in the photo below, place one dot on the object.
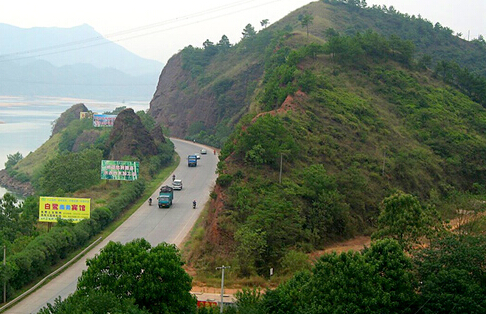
(264, 23)
(306, 20)
(152, 276)
(12, 160)
(94, 302)
(403, 218)
(264, 140)
(248, 31)
(224, 43)
(453, 275)
(16, 218)
(69, 172)
(378, 280)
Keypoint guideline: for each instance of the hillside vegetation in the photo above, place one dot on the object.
(68, 165)
(203, 92)
(338, 121)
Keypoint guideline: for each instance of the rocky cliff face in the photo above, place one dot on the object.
(68, 116)
(220, 95)
(130, 138)
(177, 108)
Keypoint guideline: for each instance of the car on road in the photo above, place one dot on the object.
(177, 184)
(197, 155)
(203, 151)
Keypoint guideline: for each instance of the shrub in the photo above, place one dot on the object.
(224, 180)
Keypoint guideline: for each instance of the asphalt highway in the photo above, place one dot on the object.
(155, 224)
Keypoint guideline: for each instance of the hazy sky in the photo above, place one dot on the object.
(158, 29)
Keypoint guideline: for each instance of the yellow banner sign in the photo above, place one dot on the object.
(54, 208)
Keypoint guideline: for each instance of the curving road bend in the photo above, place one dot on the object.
(155, 224)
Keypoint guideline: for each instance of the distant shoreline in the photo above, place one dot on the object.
(22, 188)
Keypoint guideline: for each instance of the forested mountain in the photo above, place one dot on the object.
(320, 117)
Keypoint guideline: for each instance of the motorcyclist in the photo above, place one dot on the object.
(150, 201)
(173, 177)
(194, 204)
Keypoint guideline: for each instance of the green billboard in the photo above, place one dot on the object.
(119, 170)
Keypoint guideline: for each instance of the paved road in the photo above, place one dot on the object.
(150, 222)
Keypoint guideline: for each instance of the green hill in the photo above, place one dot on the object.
(318, 128)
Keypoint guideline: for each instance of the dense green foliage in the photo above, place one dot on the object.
(93, 302)
(452, 274)
(17, 219)
(152, 278)
(383, 279)
(69, 172)
(403, 218)
(12, 160)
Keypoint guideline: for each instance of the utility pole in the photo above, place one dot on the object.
(222, 286)
(4, 279)
(384, 159)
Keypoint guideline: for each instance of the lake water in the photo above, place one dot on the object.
(26, 122)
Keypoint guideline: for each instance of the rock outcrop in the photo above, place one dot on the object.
(129, 137)
(14, 185)
(68, 116)
(181, 100)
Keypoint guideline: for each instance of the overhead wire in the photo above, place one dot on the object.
(112, 37)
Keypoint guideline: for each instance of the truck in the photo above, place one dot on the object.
(166, 195)
(192, 160)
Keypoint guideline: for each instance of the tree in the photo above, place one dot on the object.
(264, 140)
(327, 214)
(94, 302)
(403, 218)
(10, 217)
(224, 43)
(12, 160)
(452, 274)
(378, 280)
(207, 44)
(452, 292)
(306, 21)
(209, 48)
(251, 245)
(264, 23)
(248, 31)
(153, 277)
(69, 172)
(355, 283)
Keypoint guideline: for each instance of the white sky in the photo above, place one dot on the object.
(158, 29)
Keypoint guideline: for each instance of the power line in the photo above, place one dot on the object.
(111, 38)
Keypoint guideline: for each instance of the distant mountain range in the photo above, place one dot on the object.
(72, 62)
